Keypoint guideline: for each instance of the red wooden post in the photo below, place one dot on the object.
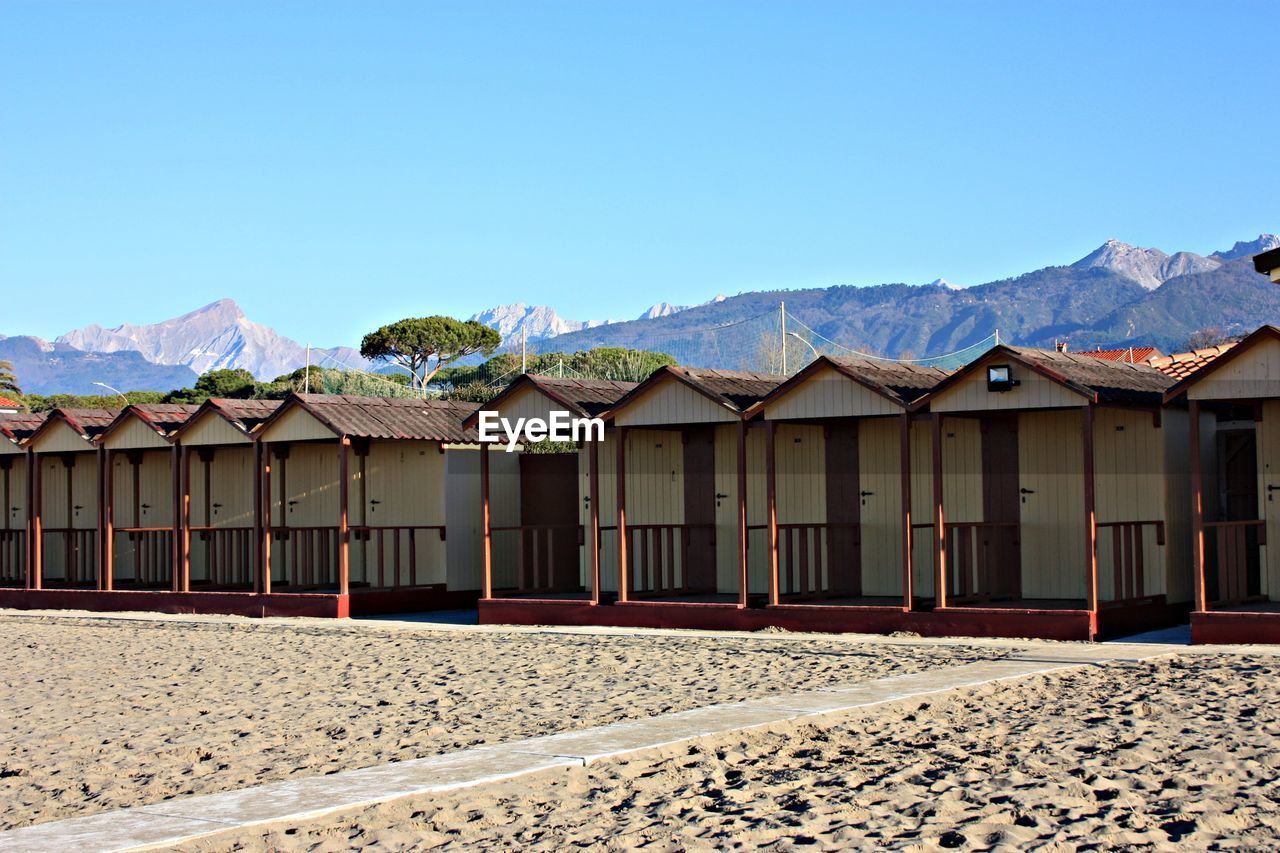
(175, 523)
(184, 517)
(26, 527)
(35, 578)
(487, 550)
(742, 514)
(104, 535)
(904, 465)
(1090, 521)
(109, 524)
(262, 516)
(1197, 512)
(771, 496)
(939, 526)
(623, 574)
(593, 531)
(344, 529)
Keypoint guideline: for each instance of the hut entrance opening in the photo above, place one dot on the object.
(549, 531)
(1233, 566)
(700, 500)
(986, 561)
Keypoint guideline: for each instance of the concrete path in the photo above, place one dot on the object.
(178, 820)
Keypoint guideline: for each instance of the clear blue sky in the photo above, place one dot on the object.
(333, 166)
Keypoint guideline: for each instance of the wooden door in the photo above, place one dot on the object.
(844, 510)
(1000, 559)
(549, 512)
(1232, 559)
(700, 509)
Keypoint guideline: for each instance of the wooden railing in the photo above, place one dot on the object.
(308, 556)
(228, 555)
(970, 546)
(152, 556)
(801, 551)
(383, 543)
(1233, 546)
(651, 557)
(1128, 557)
(13, 552)
(79, 556)
(536, 555)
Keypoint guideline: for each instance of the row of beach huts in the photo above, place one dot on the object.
(1030, 493)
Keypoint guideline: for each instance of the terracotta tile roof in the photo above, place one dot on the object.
(1133, 355)
(737, 388)
(1112, 381)
(1180, 365)
(904, 381)
(390, 417)
(6, 403)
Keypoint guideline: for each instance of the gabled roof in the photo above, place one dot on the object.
(6, 403)
(87, 423)
(736, 390)
(1180, 365)
(164, 418)
(895, 381)
(18, 427)
(1268, 261)
(1229, 352)
(1094, 379)
(1133, 355)
(584, 397)
(383, 417)
(243, 415)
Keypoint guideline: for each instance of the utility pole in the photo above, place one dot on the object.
(524, 355)
(306, 379)
(782, 307)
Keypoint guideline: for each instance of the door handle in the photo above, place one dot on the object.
(1272, 488)
(1027, 491)
(864, 493)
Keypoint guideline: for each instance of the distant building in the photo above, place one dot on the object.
(1268, 263)
(9, 407)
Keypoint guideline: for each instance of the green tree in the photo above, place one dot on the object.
(414, 342)
(8, 381)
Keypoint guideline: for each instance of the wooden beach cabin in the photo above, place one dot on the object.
(15, 429)
(66, 487)
(847, 483)
(1234, 400)
(140, 533)
(356, 495)
(549, 533)
(692, 541)
(1058, 503)
(220, 496)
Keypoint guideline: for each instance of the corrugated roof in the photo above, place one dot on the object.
(1133, 355)
(1180, 365)
(247, 414)
(390, 417)
(166, 417)
(905, 381)
(1112, 381)
(20, 425)
(589, 396)
(737, 388)
(89, 422)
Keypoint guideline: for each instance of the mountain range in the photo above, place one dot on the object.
(1117, 295)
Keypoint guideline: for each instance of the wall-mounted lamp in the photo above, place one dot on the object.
(1000, 378)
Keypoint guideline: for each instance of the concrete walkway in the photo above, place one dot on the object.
(290, 802)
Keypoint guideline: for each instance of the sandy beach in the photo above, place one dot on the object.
(1170, 754)
(101, 714)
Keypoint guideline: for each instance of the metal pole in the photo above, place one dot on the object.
(782, 308)
(524, 355)
(306, 379)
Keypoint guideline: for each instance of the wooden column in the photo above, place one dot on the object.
(262, 515)
(175, 523)
(742, 514)
(904, 474)
(1197, 512)
(593, 530)
(183, 513)
(28, 493)
(624, 580)
(103, 539)
(487, 548)
(108, 561)
(939, 519)
(344, 527)
(35, 578)
(771, 510)
(1090, 521)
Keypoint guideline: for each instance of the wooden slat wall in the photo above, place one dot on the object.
(1174, 438)
(1268, 507)
(465, 537)
(673, 402)
(727, 511)
(61, 438)
(134, 434)
(1130, 485)
(1050, 462)
(297, 425)
(13, 516)
(408, 480)
(211, 429)
(229, 484)
(1252, 375)
(1035, 392)
(881, 511)
(922, 568)
(608, 460)
(155, 490)
(830, 394)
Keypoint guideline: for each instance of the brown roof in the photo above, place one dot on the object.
(90, 422)
(166, 417)
(1180, 365)
(736, 390)
(21, 425)
(896, 381)
(246, 414)
(1133, 355)
(586, 397)
(387, 417)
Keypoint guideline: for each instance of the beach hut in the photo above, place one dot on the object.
(15, 428)
(1234, 448)
(140, 462)
(1058, 503)
(356, 495)
(847, 475)
(220, 496)
(66, 487)
(692, 541)
(548, 534)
